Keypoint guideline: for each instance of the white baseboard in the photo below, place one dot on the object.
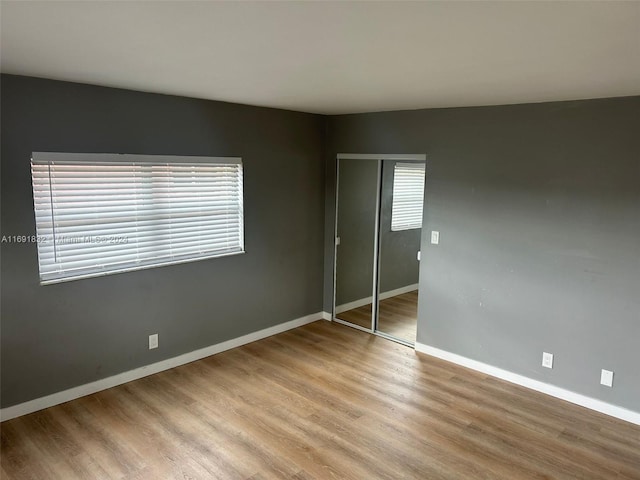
(355, 304)
(569, 396)
(383, 295)
(398, 291)
(125, 377)
(326, 316)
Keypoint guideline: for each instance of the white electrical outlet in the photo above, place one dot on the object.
(547, 360)
(418, 255)
(435, 237)
(606, 378)
(153, 341)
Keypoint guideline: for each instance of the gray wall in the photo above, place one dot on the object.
(538, 208)
(60, 336)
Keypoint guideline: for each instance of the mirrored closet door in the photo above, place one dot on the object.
(402, 197)
(379, 207)
(356, 241)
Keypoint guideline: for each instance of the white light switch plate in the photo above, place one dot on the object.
(606, 378)
(435, 237)
(153, 341)
(418, 255)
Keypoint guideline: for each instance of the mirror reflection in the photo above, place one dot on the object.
(401, 203)
(356, 222)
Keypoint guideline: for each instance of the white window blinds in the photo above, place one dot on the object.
(98, 213)
(408, 196)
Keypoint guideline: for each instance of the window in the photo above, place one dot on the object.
(105, 213)
(408, 196)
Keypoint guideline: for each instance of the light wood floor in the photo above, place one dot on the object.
(320, 402)
(398, 316)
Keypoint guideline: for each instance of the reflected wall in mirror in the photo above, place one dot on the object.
(355, 249)
(401, 203)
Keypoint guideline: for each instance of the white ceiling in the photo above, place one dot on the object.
(333, 57)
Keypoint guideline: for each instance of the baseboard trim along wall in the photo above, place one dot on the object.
(125, 377)
(383, 295)
(554, 391)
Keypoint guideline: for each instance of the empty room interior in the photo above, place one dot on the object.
(320, 240)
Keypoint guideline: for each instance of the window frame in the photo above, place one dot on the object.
(97, 270)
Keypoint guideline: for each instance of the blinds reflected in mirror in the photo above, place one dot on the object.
(408, 196)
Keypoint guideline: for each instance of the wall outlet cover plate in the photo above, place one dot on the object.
(606, 378)
(547, 360)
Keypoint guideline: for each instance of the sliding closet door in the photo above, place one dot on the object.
(402, 198)
(356, 241)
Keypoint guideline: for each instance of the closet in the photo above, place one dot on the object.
(379, 210)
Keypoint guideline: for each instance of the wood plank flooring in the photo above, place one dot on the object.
(319, 402)
(398, 316)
